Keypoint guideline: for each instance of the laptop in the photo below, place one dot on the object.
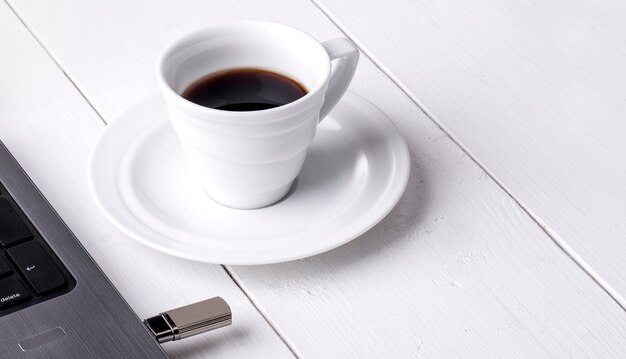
(54, 300)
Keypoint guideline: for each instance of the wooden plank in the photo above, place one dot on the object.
(457, 269)
(50, 129)
(534, 90)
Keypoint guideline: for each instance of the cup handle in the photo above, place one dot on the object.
(347, 56)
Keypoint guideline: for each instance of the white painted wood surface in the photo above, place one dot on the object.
(50, 129)
(534, 90)
(457, 269)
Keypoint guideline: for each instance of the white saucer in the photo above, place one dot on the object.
(355, 172)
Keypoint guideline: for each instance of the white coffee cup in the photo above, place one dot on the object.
(250, 159)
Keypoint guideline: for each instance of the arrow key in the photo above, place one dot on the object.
(37, 266)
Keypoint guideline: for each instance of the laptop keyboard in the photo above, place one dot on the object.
(30, 273)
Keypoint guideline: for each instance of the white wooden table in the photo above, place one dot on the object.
(510, 240)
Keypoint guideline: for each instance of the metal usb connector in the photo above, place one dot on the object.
(190, 320)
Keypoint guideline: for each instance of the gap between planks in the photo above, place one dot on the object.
(265, 316)
(556, 239)
(54, 59)
(228, 272)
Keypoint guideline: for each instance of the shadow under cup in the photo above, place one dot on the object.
(245, 159)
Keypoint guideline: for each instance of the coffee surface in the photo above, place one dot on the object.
(244, 89)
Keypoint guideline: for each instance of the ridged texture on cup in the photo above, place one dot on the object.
(250, 164)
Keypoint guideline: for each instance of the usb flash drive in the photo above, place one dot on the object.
(190, 320)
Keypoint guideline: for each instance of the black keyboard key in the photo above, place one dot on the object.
(12, 291)
(35, 264)
(12, 229)
(4, 267)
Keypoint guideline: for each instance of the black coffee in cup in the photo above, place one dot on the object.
(244, 89)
